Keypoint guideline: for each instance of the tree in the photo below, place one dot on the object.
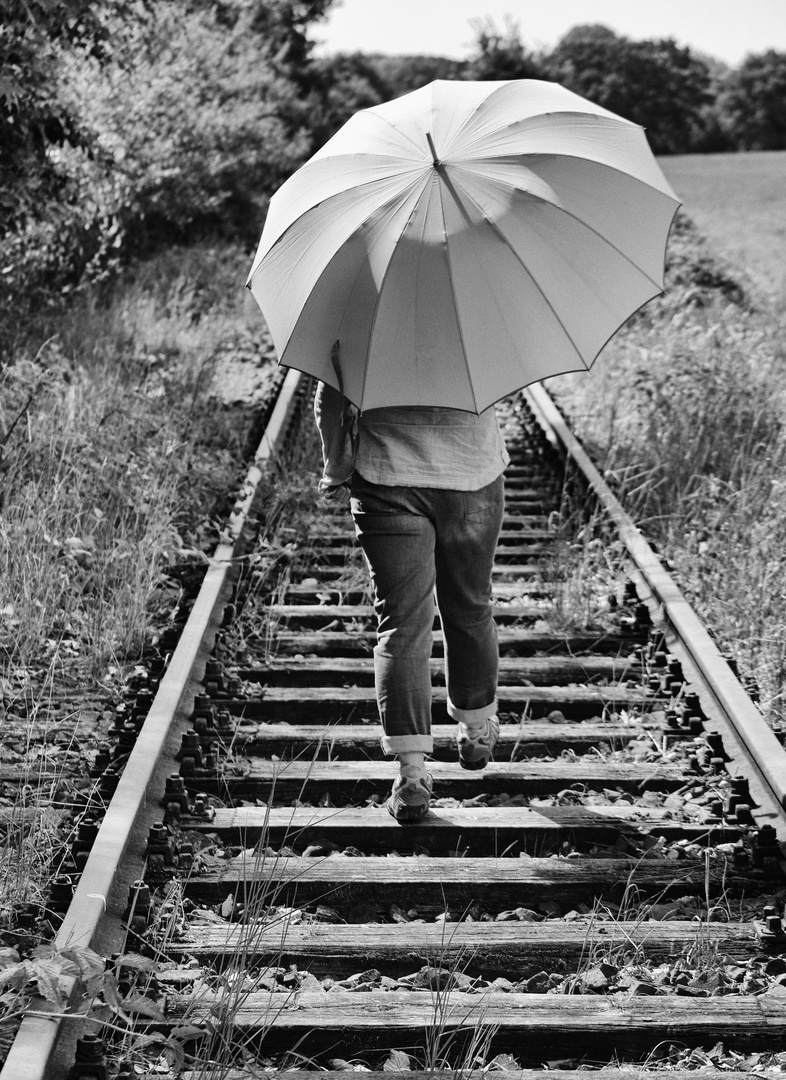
(501, 54)
(656, 83)
(343, 84)
(401, 74)
(127, 123)
(751, 102)
(46, 223)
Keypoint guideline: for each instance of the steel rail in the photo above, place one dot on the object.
(724, 700)
(102, 891)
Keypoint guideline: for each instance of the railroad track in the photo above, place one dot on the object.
(610, 887)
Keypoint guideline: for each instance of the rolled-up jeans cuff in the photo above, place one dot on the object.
(472, 717)
(396, 744)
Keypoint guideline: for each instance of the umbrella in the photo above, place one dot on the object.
(451, 246)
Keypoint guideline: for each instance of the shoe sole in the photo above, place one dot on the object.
(408, 815)
(474, 766)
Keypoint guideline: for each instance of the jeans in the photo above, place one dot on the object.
(418, 541)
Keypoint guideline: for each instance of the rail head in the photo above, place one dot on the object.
(724, 699)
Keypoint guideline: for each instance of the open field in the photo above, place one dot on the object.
(739, 202)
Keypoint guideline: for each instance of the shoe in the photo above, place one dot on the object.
(476, 744)
(409, 800)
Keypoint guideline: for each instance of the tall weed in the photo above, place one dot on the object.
(685, 412)
(114, 444)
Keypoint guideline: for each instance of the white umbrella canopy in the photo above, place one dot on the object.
(463, 241)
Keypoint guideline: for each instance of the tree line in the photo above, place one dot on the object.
(128, 124)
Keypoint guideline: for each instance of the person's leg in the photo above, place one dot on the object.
(398, 542)
(467, 532)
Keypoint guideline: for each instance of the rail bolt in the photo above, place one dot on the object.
(714, 740)
(61, 892)
(673, 718)
(741, 787)
(642, 615)
(190, 754)
(108, 782)
(175, 798)
(766, 851)
(224, 723)
(101, 760)
(137, 914)
(201, 806)
(89, 1060)
(169, 639)
(692, 703)
(159, 846)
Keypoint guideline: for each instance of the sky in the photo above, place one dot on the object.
(725, 29)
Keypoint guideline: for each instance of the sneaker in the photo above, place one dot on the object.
(409, 800)
(476, 744)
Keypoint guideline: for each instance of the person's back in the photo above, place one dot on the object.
(430, 447)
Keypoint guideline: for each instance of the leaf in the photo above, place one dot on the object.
(397, 1062)
(88, 961)
(505, 1063)
(140, 1005)
(49, 986)
(188, 1031)
(9, 957)
(112, 995)
(17, 977)
(135, 962)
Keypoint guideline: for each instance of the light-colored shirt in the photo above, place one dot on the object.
(408, 446)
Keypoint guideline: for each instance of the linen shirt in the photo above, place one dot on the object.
(408, 446)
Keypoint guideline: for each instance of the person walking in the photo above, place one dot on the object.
(425, 489)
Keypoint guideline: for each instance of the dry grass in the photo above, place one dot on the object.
(117, 458)
(685, 412)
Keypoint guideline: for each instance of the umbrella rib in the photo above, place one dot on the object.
(304, 213)
(501, 236)
(380, 290)
(441, 171)
(508, 159)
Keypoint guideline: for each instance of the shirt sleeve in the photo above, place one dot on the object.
(335, 418)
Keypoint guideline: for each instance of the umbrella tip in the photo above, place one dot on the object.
(430, 142)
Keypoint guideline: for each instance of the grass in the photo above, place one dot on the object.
(115, 449)
(118, 460)
(685, 412)
(739, 203)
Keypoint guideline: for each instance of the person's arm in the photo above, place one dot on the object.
(335, 420)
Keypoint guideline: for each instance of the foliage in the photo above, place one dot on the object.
(344, 83)
(501, 54)
(134, 124)
(752, 102)
(44, 230)
(655, 83)
(400, 74)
